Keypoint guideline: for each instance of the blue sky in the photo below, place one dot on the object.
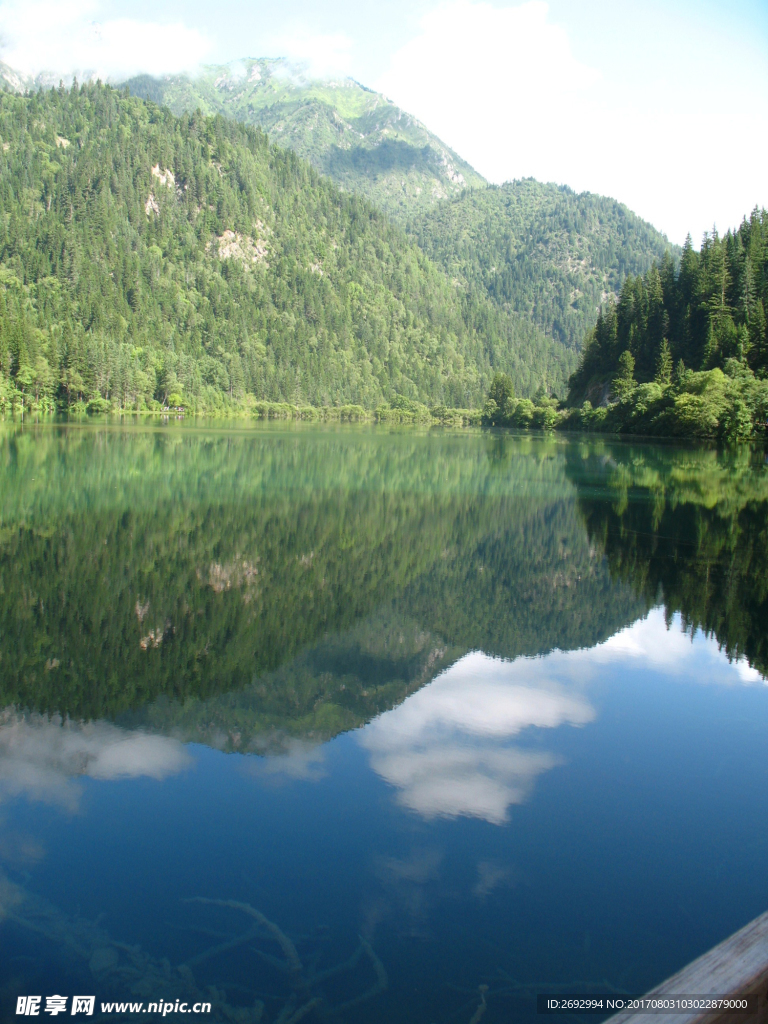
(647, 102)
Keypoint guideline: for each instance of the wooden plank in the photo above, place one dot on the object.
(737, 967)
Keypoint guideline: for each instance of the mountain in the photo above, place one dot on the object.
(14, 81)
(539, 253)
(350, 133)
(148, 258)
(549, 254)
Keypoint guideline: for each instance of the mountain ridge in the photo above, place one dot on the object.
(346, 130)
(552, 255)
(152, 259)
(541, 257)
(366, 144)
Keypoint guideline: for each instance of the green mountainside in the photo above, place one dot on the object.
(540, 251)
(350, 133)
(146, 258)
(552, 256)
(524, 260)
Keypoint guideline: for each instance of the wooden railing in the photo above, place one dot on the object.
(737, 967)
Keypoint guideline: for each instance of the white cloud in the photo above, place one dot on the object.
(318, 54)
(498, 84)
(648, 643)
(40, 758)
(491, 876)
(448, 779)
(68, 38)
(503, 86)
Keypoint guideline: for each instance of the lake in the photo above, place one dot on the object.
(362, 725)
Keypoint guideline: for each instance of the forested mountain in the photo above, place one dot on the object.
(539, 250)
(685, 351)
(543, 251)
(149, 258)
(350, 133)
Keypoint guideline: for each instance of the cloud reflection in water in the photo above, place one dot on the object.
(41, 757)
(446, 748)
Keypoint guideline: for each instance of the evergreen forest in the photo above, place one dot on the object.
(150, 261)
(684, 350)
(550, 255)
(153, 262)
(346, 131)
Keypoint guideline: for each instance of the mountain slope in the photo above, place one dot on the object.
(145, 257)
(14, 81)
(543, 251)
(352, 134)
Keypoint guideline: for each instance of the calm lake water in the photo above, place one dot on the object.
(357, 725)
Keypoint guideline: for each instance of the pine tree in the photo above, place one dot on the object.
(664, 364)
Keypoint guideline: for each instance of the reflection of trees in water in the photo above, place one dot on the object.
(323, 576)
(691, 526)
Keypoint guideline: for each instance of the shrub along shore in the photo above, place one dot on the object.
(720, 406)
(402, 411)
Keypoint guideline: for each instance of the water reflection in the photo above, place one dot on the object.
(297, 760)
(446, 748)
(688, 527)
(138, 567)
(41, 758)
(463, 698)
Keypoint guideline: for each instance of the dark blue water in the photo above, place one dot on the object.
(428, 791)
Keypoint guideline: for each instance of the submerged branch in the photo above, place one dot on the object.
(380, 985)
(481, 1008)
(223, 947)
(288, 948)
(346, 965)
(302, 1011)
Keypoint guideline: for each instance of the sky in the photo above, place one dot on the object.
(662, 105)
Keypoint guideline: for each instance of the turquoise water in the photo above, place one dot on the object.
(357, 725)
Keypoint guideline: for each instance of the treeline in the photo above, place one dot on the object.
(684, 351)
(148, 260)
